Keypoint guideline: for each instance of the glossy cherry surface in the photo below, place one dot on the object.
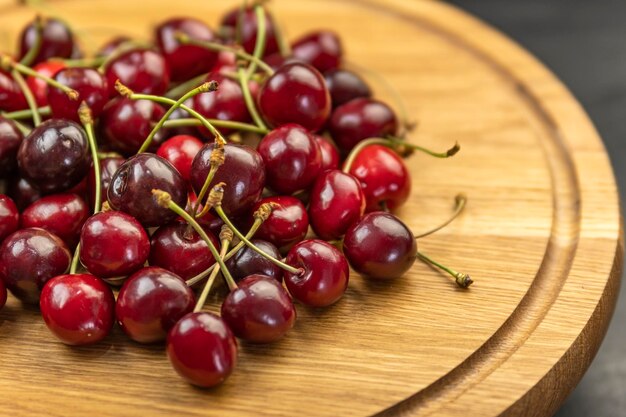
(330, 155)
(322, 49)
(292, 158)
(345, 85)
(202, 349)
(28, 259)
(150, 302)
(247, 25)
(248, 262)
(259, 310)
(39, 87)
(11, 97)
(78, 309)
(295, 93)
(54, 156)
(141, 70)
(113, 244)
(131, 189)
(91, 87)
(10, 139)
(108, 167)
(57, 40)
(286, 225)
(325, 277)
(22, 192)
(61, 214)
(9, 217)
(180, 151)
(359, 119)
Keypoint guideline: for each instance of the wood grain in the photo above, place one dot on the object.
(541, 236)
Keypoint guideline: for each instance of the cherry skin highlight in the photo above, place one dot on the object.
(142, 70)
(108, 167)
(180, 151)
(321, 49)
(286, 225)
(330, 155)
(57, 41)
(9, 217)
(92, 89)
(345, 85)
(248, 262)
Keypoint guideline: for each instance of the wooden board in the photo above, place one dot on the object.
(541, 237)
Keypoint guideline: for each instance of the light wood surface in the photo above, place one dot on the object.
(541, 237)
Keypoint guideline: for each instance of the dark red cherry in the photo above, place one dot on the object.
(10, 139)
(185, 61)
(259, 310)
(202, 349)
(296, 93)
(22, 192)
(180, 151)
(330, 154)
(248, 29)
(345, 85)
(248, 262)
(28, 259)
(209, 221)
(91, 87)
(383, 175)
(380, 246)
(108, 167)
(9, 217)
(11, 97)
(39, 87)
(3, 294)
(243, 172)
(54, 156)
(322, 49)
(131, 189)
(288, 223)
(57, 41)
(292, 158)
(336, 202)
(360, 119)
(325, 277)
(78, 309)
(150, 302)
(113, 244)
(112, 45)
(142, 70)
(61, 214)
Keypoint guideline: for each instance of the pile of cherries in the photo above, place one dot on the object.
(157, 168)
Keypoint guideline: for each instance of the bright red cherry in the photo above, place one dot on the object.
(108, 167)
(28, 259)
(380, 246)
(248, 262)
(180, 151)
(22, 192)
(78, 309)
(3, 294)
(142, 70)
(295, 93)
(202, 349)
(150, 302)
(11, 97)
(360, 119)
(10, 139)
(9, 217)
(287, 224)
(92, 89)
(330, 154)
(322, 49)
(345, 85)
(325, 277)
(248, 29)
(39, 87)
(383, 175)
(259, 310)
(113, 244)
(57, 40)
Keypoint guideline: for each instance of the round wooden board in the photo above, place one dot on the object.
(541, 237)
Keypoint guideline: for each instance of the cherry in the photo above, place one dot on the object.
(57, 40)
(360, 119)
(185, 61)
(11, 97)
(131, 188)
(112, 45)
(380, 246)
(3, 294)
(54, 156)
(142, 70)
(248, 262)
(322, 49)
(295, 93)
(108, 167)
(10, 139)
(292, 158)
(248, 29)
(61, 214)
(345, 85)
(243, 172)
(91, 87)
(179, 249)
(208, 221)
(287, 224)
(39, 87)
(326, 275)
(383, 175)
(202, 349)
(22, 192)
(330, 154)
(29, 258)
(259, 310)
(180, 151)
(9, 217)
(150, 303)
(113, 244)
(78, 309)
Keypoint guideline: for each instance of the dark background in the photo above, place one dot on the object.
(584, 43)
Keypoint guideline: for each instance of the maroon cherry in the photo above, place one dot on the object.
(3, 294)
(22, 192)
(28, 259)
(322, 49)
(345, 85)
(360, 119)
(11, 97)
(380, 246)
(336, 202)
(112, 45)
(248, 29)
(248, 262)
(9, 217)
(113, 244)
(295, 93)
(39, 87)
(180, 151)
(54, 156)
(150, 302)
(330, 154)
(292, 158)
(131, 189)
(78, 309)
(259, 310)
(202, 349)
(325, 277)
(108, 167)
(10, 139)
(142, 70)
(91, 87)
(61, 214)
(57, 40)
(287, 224)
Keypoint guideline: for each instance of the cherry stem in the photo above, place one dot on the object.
(226, 236)
(28, 95)
(75, 260)
(177, 92)
(281, 40)
(228, 124)
(86, 118)
(34, 50)
(462, 280)
(218, 156)
(28, 113)
(459, 204)
(245, 89)
(94, 62)
(7, 63)
(25, 130)
(261, 35)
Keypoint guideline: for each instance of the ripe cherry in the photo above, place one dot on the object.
(180, 151)
(112, 45)
(57, 40)
(248, 262)
(9, 217)
(202, 349)
(321, 49)
(91, 87)
(22, 192)
(108, 167)
(287, 224)
(39, 87)
(345, 85)
(150, 302)
(248, 29)
(78, 309)
(3, 294)
(10, 139)
(11, 97)
(142, 70)
(330, 154)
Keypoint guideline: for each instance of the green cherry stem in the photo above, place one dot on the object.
(28, 95)
(27, 113)
(247, 96)
(281, 40)
(7, 63)
(261, 35)
(461, 279)
(86, 118)
(24, 129)
(75, 260)
(228, 124)
(218, 156)
(226, 236)
(460, 201)
(178, 91)
(34, 50)
(94, 62)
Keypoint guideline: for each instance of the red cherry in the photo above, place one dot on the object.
(248, 262)
(3, 294)
(248, 29)
(150, 302)
(39, 87)
(330, 154)
(345, 85)
(295, 93)
(91, 87)
(11, 97)
(111, 45)
(325, 277)
(108, 167)
(22, 192)
(142, 70)
(287, 224)
(180, 151)
(322, 49)
(78, 309)
(57, 40)
(10, 139)
(202, 349)
(9, 217)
